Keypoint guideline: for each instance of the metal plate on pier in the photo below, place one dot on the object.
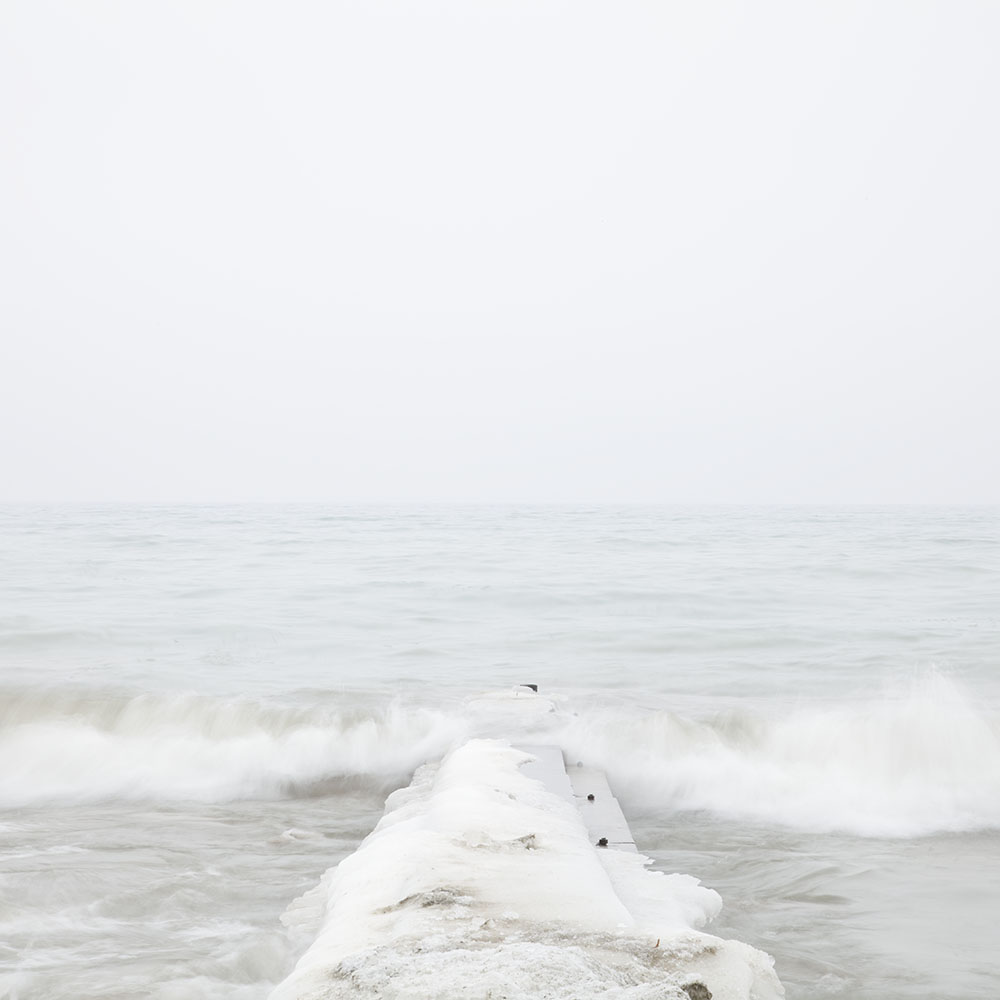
(587, 788)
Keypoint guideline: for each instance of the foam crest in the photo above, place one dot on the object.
(75, 748)
(903, 765)
(906, 764)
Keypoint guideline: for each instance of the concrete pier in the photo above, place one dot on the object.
(587, 788)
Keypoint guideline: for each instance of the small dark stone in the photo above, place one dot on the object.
(590, 798)
(603, 842)
(697, 991)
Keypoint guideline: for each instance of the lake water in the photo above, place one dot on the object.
(202, 709)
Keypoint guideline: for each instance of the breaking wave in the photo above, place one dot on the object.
(910, 764)
(97, 746)
(906, 764)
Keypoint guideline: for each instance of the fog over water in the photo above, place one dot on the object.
(538, 251)
(363, 361)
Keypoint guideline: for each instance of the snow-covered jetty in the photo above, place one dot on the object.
(501, 873)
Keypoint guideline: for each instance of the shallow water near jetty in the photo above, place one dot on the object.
(849, 916)
(203, 709)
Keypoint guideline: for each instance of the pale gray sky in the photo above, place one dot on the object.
(737, 252)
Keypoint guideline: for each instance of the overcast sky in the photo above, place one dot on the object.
(681, 252)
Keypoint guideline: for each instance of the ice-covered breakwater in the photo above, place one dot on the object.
(481, 882)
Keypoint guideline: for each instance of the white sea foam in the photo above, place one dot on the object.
(905, 764)
(57, 748)
(478, 874)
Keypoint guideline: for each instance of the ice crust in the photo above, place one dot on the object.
(480, 883)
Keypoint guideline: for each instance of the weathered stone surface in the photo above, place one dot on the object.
(697, 991)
